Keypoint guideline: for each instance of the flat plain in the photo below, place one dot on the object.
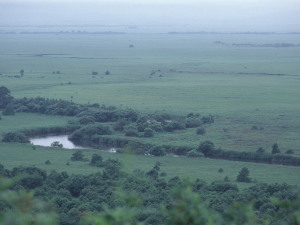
(244, 88)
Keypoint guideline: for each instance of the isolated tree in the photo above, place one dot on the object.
(77, 156)
(107, 72)
(5, 97)
(243, 175)
(22, 72)
(275, 149)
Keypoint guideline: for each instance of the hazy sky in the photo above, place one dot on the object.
(189, 15)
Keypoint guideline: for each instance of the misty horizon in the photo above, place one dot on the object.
(167, 16)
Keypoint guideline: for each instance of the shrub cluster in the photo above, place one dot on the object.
(221, 203)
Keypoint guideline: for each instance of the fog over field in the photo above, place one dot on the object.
(157, 16)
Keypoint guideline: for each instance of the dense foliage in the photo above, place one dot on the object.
(5, 97)
(139, 197)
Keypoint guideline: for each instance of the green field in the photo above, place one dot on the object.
(23, 121)
(13, 155)
(241, 86)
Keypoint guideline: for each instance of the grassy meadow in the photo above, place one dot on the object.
(207, 169)
(23, 121)
(242, 87)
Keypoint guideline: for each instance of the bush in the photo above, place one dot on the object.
(207, 148)
(174, 125)
(85, 133)
(208, 119)
(56, 144)
(260, 150)
(290, 151)
(131, 130)
(194, 154)
(15, 137)
(148, 132)
(192, 122)
(8, 111)
(200, 131)
(85, 120)
(96, 161)
(157, 151)
(77, 156)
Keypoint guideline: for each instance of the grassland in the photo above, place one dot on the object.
(207, 169)
(241, 87)
(22, 121)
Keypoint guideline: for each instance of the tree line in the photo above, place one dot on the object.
(95, 125)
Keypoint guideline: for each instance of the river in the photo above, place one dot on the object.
(62, 139)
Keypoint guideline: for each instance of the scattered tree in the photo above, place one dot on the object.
(5, 97)
(206, 147)
(157, 151)
(275, 149)
(56, 144)
(148, 132)
(243, 175)
(22, 72)
(260, 150)
(200, 131)
(96, 160)
(290, 151)
(77, 156)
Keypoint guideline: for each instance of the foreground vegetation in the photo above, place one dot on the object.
(145, 194)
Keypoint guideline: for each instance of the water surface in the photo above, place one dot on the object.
(62, 139)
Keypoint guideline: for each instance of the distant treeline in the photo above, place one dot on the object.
(268, 45)
(260, 157)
